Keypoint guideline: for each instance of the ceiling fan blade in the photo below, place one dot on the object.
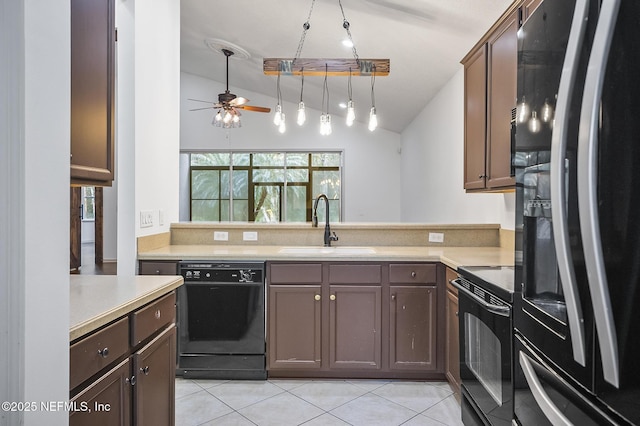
(239, 101)
(199, 100)
(254, 108)
(200, 109)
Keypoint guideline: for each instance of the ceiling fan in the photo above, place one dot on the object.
(228, 105)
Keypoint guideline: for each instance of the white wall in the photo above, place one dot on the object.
(432, 167)
(34, 206)
(371, 159)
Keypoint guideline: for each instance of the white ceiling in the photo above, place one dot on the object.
(424, 39)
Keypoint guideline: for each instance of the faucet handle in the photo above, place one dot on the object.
(333, 237)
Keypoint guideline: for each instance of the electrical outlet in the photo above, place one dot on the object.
(436, 237)
(146, 218)
(221, 236)
(250, 236)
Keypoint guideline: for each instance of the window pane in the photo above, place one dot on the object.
(89, 209)
(267, 203)
(327, 183)
(326, 159)
(268, 175)
(88, 191)
(224, 210)
(204, 210)
(205, 184)
(297, 175)
(241, 159)
(334, 211)
(240, 184)
(241, 210)
(268, 159)
(296, 203)
(297, 159)
(224, 184)
(210, 159)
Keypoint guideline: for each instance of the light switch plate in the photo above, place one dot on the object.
(250, 236)
(146, 218)
(436, 237)
(221, 236)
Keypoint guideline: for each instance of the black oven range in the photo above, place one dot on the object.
(221, 320)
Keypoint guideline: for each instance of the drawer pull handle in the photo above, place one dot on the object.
(131, 381)
(393, 297)
(103, 352)
(413, 274)
(158, 314)
(316, 297)
(145, 370)
(157, 271)
(332, 297)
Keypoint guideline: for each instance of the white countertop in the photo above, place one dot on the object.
(96, 300)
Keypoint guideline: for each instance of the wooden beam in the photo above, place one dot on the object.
(332, 66)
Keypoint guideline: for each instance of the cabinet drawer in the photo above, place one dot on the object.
(355, 274)
(296, 273)
(151, 318)
(158, 268)
(95, 352)
(412, 273)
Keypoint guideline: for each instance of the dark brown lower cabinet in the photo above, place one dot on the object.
(452, 365)
(294, 326)
(346, 319)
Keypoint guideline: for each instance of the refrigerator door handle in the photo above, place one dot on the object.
(545, 403)
(558, 183)
(588, 190)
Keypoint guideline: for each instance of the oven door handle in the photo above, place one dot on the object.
(504, 311)
(547, 406)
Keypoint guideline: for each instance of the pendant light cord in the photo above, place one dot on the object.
(373, 82)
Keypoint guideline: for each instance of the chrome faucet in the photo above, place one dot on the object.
(328, 236)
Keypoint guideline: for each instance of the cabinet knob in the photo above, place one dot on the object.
(393, 297)
(145, 370)
(457, 313)
(482, 176)
(413, 274)
(157, 271)
(103, 352)
(332, 297)
(131, 381)
(317, 297)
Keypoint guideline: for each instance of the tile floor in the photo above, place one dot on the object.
(315, 403)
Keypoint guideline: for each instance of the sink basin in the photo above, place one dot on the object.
(327, 250)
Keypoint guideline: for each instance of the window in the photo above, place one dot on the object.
(88, 203)
(263, 186)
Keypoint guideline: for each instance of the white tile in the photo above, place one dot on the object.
(421, 420)
(325, 420)
(198, 408)
(288, 384)
(328, 394)
(281, 410)
(239, 393)
(233, 419)
(446, 411)
(371, 410)
(418, 396)
(369, 384)
(186, 387)
(209, 383)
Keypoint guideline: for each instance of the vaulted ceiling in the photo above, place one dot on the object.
(424, 39)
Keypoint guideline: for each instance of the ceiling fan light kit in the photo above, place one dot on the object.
(326, 67)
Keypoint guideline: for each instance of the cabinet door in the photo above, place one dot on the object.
(92, 91)
(294, 327)
(154, 367)
(452, 360)
(105, 402)
(355, 318)
(412, 334)
(502, 51)
(475, 119)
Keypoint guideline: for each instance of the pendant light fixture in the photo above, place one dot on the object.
(351, 112)
(534, 123)
(278, 116)
(302, 116)
(325, 117)
(373, 118)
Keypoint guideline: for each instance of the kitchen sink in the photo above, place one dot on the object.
(327, 250)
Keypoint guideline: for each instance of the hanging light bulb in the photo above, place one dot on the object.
(546, 112)
(282, 127)
(325, 118)
(328, 125)
(523, 111)
(277, 116)
(217, 119)
(302, 116)
(227, 117)
(323, 124)
(534, 123)
(373, 119)
(351, 112)
(236, 118)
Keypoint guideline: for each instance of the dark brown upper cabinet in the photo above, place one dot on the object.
(93, 41)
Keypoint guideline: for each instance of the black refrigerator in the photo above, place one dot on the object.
(577, 165)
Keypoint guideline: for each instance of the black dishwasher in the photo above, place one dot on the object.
(221, 320)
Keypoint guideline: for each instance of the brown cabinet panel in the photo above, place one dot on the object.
(355, 274)
(528, 7)
(412, 336)
(296, 273)
(107, 400)
(154, 393)
(90, 355)
(452, 359)
(294, 327)
(151, 318)
(418, 273)
(501, 92)
(158, 268)
(355, 322)
(475, 119)
(92, 91)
